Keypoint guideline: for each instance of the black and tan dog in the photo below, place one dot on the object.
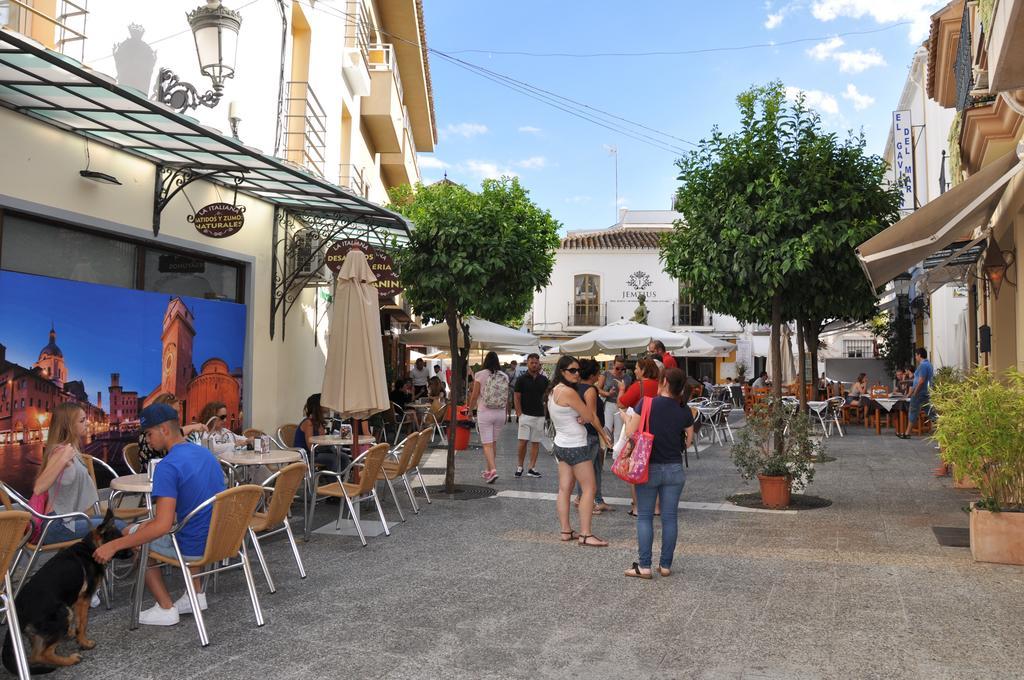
(54, 603)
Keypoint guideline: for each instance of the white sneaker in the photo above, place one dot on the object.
(95, 602)
(158, 616)
(185, 607)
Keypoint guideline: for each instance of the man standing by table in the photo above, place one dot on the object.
(529, 403)
(919, 396)
(608, 388)
(419, 375)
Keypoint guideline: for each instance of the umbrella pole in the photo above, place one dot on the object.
(355, 448)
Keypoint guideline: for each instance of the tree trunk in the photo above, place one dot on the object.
(451, 317)
(776, 361)
(801, 358)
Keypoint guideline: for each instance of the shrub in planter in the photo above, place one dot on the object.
(980, 430)
(776, 447)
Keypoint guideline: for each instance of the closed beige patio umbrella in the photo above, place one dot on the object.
(355, 384)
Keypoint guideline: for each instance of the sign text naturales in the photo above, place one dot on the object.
(218, 220)
(380, 263)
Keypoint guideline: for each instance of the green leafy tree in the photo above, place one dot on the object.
(766, 208)
(478, 254)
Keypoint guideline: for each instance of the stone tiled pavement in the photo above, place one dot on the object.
(483, 589)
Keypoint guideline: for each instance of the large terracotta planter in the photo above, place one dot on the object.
(997, 536)
(774, 491)
(962, 481)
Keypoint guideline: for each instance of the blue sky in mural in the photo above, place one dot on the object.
(103, 329)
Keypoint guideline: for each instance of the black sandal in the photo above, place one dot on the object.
(636, 573)
(585, 537)
(572, 536)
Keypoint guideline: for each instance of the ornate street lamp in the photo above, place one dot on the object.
(215, 29)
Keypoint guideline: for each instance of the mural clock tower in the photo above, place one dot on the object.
(177, 336)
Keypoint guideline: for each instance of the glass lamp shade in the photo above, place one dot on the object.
(215, 29)
(901, 284)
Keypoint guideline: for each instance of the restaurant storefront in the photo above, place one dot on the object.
(163, 255)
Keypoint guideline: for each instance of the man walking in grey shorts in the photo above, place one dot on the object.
(529, 403)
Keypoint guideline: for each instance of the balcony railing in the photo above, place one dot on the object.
(963, 67)
(589, 315)
(381, 57)
(65, 31)
(305, 127)
(353, 178)
(357, 30)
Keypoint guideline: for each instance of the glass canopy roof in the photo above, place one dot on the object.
(62, 92)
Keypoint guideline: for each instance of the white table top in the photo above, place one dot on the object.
(817, 405)
(252, 458)
(132, 483)
(338, 440)
(888, 402)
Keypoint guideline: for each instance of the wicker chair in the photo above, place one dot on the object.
(284, 484)
(130, 453)
(12, 500)
(14, 526)
(371, 462)
(252, 433)
(397, 468)
(286, 435)
(417, 457)
(127, 514)
(229, 523)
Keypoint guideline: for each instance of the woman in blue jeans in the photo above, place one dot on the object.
(671, 423)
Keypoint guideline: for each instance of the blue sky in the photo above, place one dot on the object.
(103, 330)
(485, 129)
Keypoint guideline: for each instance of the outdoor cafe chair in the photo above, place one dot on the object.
(833, 415)
(11, 498)
(417, 458)
(127, 514)
(282, 485)
(723, 420)
(396, 468)
(232, 513)
(371, 461)
(286, 435)
(14, 527)
(402, 416)
(130, 453)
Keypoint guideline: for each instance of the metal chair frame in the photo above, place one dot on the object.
(7, 593)
(193, 598)
(349, 500)
(405, 447)
(270, 484)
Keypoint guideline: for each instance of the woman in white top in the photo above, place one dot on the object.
(218, 437)
(568, 414)
(65, 478)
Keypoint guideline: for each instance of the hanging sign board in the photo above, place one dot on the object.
(903, 157)
(219, 220)
(381, 264)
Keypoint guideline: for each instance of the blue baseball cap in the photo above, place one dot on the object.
(155, 414)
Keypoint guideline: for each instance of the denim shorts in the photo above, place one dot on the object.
(917, 402)
(165, 546)
(573, 455)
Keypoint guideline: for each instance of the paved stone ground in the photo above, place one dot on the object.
(483, 589)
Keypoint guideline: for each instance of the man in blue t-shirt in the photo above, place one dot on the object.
(919, 392)
(185, 477)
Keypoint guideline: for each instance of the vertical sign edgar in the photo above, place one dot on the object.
(903, 156)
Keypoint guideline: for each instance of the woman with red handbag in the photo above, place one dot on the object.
(671, 424)
(569, 413)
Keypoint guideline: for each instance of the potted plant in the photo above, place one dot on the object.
(776, 447)
(980, 430)
(741, 373)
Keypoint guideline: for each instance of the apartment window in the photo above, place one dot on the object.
(859, 349)
(586, 300)
(691, 312)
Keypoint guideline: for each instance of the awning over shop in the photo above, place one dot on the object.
(954, 216)
(64, 93)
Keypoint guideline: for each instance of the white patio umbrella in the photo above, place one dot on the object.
(786, 347)
(630, 336)
(355, 384)
(482, 335)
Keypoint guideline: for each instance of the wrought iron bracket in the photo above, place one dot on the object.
(169, 180)
(182, 96)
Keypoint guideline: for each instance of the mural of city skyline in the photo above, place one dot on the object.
(117, 348)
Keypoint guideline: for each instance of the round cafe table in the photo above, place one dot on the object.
(338, 440)
(245, 457)
(888, 403)
(132, 484)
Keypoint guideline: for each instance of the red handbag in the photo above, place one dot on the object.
(632, 464)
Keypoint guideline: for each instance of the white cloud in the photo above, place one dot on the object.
(432, 162)
(852, 61)
(823, 102)
(773, 20)
(532, 162)
(529, 129)
(918, 12)
(488, 170)
(466, 130)
(860, 101)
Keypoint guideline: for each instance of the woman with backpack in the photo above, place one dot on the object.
(671, 424)
(490, 398)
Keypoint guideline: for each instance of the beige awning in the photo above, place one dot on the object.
(953, 216)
